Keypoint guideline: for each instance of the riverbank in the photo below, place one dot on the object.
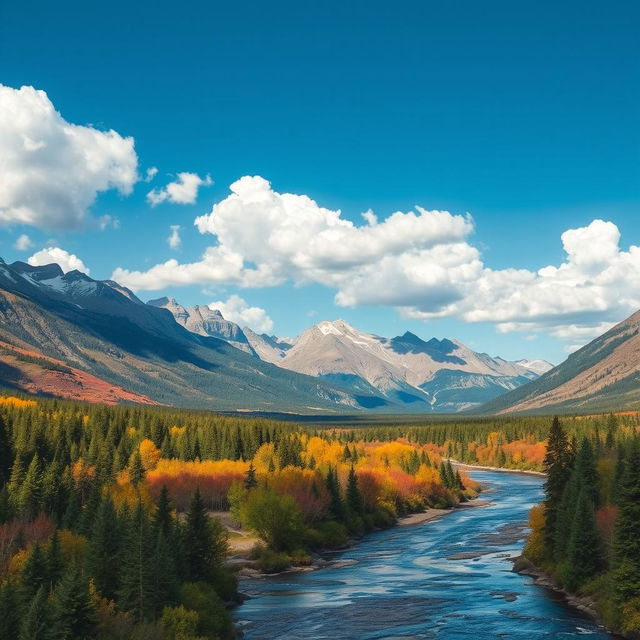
(464, 466)
(585, 605)
(248, 570)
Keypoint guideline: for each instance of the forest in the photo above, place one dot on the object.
(586, 533)
(109, 524)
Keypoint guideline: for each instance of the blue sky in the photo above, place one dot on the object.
(522, 114)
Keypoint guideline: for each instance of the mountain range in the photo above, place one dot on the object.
(103, 329)
(403, 372)
(70, 335)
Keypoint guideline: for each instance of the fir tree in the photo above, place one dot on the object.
(250, 480)
(73, 613)
(354, 497)
(136, 470)
(336, 505)
(104, 550)
(35, 573)
(55, 563)
(136, 590)
(584, 551)
(9, 611)
(205, 542)
(627, 536)
(36, 624)
(557, 464)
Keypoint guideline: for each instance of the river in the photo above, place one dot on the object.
(415, 582)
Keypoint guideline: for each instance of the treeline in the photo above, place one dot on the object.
(106, 528)
(105, 524)
(586, 534)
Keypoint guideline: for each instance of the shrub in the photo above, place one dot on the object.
(213, 617)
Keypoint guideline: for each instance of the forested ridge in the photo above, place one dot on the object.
(586, 533)
(108, 515)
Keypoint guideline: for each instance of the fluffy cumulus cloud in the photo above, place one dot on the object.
(67, 261)
(52, 170)
(23, 243)
(421, 262)
(184, 190)
(237, 310)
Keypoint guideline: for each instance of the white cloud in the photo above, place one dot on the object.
(237, 310)
(106, 221)
(67, 261)
(423, 263)
(23, 243)
(174, 241)
(150, 174)
(184, 190)
(52, 170)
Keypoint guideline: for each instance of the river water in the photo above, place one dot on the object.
(419, 582)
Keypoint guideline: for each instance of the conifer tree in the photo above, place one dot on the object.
(35, 573)
(104, 550)
(584, 551)
(354, 497)
(10, 607)
(250, 480)
(136, 590)
(6, 456)
(557, 464)
(336, 506)
(55, 563)
(36, 624)
(73, 613)
(136, 470)
(627, 536)
(205, 542)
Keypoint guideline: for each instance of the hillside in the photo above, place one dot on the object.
(604, 375)
(102, 329)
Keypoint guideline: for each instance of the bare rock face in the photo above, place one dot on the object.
(205, 322)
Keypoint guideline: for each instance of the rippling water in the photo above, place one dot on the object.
(411, 582)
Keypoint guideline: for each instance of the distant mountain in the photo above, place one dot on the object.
(206, 322)
(602, 376)
(103, 329)
(439, 375)
(404, 373)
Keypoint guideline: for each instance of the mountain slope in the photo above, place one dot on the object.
(604, 375)
(205, 322)
(103, 329)
(434, 375)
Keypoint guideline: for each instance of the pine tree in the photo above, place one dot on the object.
(135, 593)
(9, 610)
(136, 470)
(557, 464)
(73, 613)
(35, 573)
(354, 497)
(104, 550)
(205, 542)
(55, 563)
(6, 455)
(336, 505)
(584, 551)
(627, 536)
(36, 624)
(250, 481)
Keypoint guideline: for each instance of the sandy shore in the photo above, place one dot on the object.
(462, 465)
(430, 514)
